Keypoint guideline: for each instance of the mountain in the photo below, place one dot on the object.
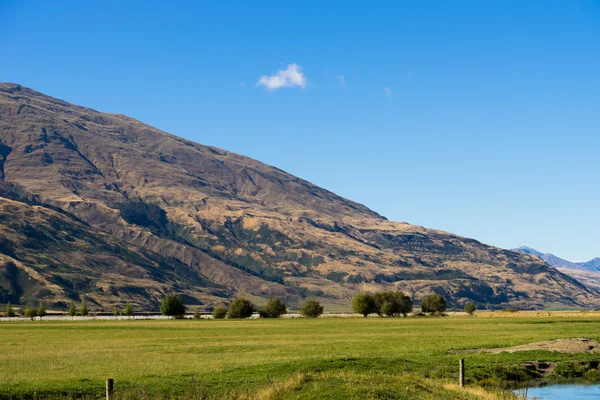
(103, 206)
(593, 265)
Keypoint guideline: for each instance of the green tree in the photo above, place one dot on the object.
(311, 309)
(433, 303)
(128, 310)
(273, 309)
(197, 314)
(219, 312)
(172, 305)
(364, 304)
(406, 305)
(470, 308)
(241, 308)
(84, 310)
(72, 309)
(30, 312)
(41, 311)
(392, 303)
(116, 311)
(9, 310)
(389, 309)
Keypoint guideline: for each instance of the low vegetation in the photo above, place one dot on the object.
(128, 311)
(311, 309)
(41, 310)
(390, 304)
(172, 306)
(273, 309)
(470, 308)
(219, 312)
(433, 303)
(339, 358)
(241, 308)
(9, 310)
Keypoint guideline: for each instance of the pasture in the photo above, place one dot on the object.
(392, 358)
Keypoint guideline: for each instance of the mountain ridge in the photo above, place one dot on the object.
(555, 261)
(211, 224)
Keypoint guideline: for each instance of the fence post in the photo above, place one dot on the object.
(109, 389)
(461, 373)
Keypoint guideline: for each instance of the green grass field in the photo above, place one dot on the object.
(286, 358)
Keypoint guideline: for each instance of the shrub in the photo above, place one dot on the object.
(363, 304)
(392, 303)
(9, 310)
(241, 308)
(41, 311)
(470, 308)
(311, 309)
(172, 305)
(197, 314)
(273, 309)
(72, 309)
(30, 312)
(84, 309)
(116, 312)
(570, 370)
(433, 303)
(219, 312)
(128, 310)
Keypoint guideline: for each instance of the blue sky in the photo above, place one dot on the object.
(481, 118)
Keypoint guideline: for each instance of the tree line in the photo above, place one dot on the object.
(387, 303)
(173, 306)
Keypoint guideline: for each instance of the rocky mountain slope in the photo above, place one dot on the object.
(103, 206)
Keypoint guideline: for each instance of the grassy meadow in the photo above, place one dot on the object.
(380, 358)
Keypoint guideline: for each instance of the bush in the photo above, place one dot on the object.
(197, 314)
(433, 303)
(311, 309)
(172, 306)
(273, 309)
(219, 312)
(9, 310)
(570, 370)
(241, 308)
(41, 311)
(72, 309)
(470, 308)
(116, 312)
(128, 310)
(363, 304)
(392, 303)
(84, 309)
(30, 313)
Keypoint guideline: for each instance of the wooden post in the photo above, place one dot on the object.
(461, 373)
(109, 389)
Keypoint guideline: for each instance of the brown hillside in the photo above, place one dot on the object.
(211, 224)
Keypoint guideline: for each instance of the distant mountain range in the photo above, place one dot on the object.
(557, 262)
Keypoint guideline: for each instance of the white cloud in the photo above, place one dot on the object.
(388, 91)
(289, 77)
(341, 80)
